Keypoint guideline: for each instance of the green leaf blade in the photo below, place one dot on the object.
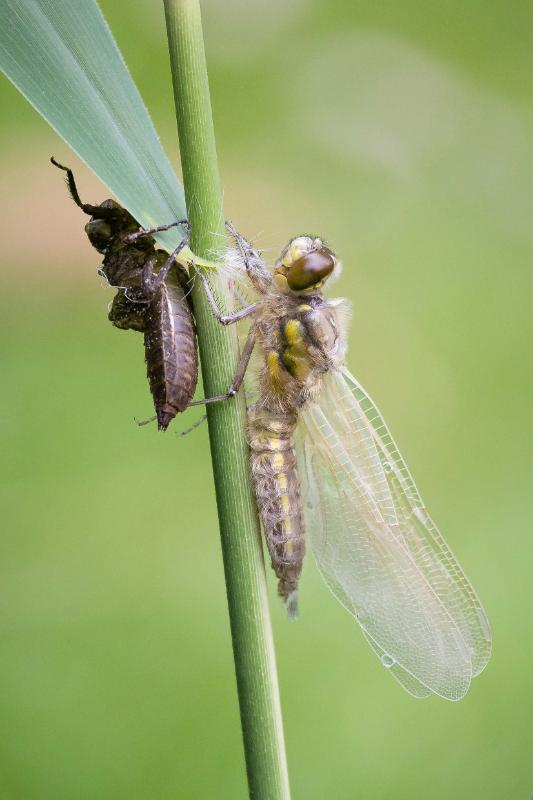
(62, 56)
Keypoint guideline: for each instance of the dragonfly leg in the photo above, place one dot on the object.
(163, 272)
(230, 318)
(190, 429)
(254, 265)
(239, 375)
(193, 426)
(132, 237)
(93, 211)
(152, 282)
(141, 422)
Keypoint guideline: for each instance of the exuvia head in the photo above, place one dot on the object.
(100, 234)
(304, 265)
(109, 220)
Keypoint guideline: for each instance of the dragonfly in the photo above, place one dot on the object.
(153, 297)
(326, 467)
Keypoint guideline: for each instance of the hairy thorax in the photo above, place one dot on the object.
(300, 340)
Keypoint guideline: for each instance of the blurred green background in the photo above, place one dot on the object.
(402, 132)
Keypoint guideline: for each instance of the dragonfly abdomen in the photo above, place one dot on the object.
(277, 489)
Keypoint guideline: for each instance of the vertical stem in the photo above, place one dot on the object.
(251, 630)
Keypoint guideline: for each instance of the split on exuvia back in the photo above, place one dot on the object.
(152, 297)
(324, 465)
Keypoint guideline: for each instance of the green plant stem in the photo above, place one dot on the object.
(251, 630)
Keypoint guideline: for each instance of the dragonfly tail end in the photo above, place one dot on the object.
(291, 604)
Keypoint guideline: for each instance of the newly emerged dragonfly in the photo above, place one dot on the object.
(323, 461)
(152, 297)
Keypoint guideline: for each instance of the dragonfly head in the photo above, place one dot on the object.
(304, 265)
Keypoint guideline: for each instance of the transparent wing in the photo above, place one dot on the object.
(422, 535)
(62, 56)
(378, 550)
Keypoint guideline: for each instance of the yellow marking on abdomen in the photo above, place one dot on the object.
(303, 308)
(281, 480)
(278, 461)
(287, 524)
(285, 503)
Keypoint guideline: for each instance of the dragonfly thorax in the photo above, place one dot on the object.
(300, 343)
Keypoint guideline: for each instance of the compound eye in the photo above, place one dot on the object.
(99, 233)
(311, 269)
